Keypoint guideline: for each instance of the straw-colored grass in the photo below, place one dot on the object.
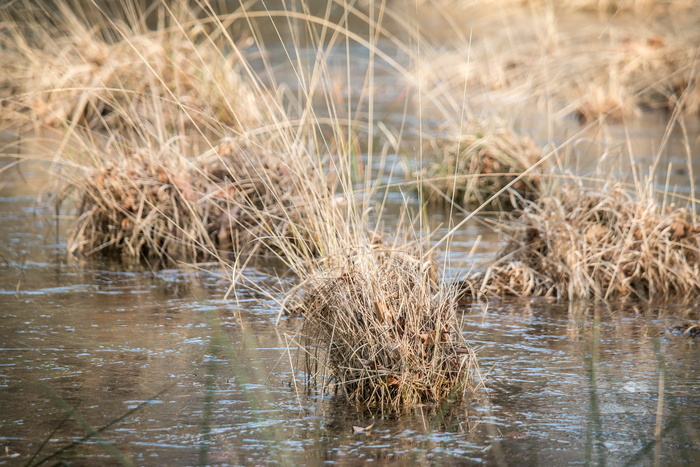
(469, 169)
(59, 70)
(386, 332)
(597, 244)
(566, 61)
(376, 318)
(158, 203)
(653, 7)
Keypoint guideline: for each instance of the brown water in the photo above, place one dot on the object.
(102, 364)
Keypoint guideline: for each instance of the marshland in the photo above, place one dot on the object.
(301, 232)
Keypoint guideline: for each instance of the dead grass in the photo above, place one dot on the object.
(60, 70)
(603, 6)
(386, 333)
(159, 203)
(598, 244)
(479, 163)
(376, 318)
(567, 61)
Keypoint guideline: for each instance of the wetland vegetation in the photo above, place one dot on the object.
(339, 211)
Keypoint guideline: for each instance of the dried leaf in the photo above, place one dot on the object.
(383, 313)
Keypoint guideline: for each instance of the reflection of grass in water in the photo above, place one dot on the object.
(92, 432)
(673, 424)
(262, 407)
(594, 431)
(669, 429)
(209, 398)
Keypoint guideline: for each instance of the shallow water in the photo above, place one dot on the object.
(103, 364)
(170, 373)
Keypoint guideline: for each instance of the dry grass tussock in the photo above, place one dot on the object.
(601, 6)
(572, 62)
(478, 163)
(600, 244)
(385, 331)
(376, 317)
(158, 203)
(58, 69)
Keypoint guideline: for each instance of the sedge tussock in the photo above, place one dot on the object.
(653, 7)
(571, 62)
(386, 332)
(584, 244)
(61, 71)
(469, 169)
(158, 203)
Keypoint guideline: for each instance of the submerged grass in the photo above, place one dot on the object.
(598, 244)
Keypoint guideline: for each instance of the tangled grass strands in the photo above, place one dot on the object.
(585, 244)
(159, 203)
(61, 70)
(386, 332)
(568, 61)
(469, 169)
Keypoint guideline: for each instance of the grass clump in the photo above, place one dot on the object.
(386, 331)
(157, 202)
(569, 61)
(62, 69)
(469, 169)
(596, 244)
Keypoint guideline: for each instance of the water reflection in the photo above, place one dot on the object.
(199, 379)
(216, 384)
(211, 380)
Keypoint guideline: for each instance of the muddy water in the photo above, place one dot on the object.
(99, 365)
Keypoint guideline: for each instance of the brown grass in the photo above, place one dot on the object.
(479, 163)
(60, 70)
(158, 203)
(602, 6)
(599, 244)
(567, 61)
(385, 332)
(376, 318)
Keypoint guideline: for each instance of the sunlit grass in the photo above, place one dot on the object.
(179, 146)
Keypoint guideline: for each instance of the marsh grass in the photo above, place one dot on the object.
(606, 7)
(385, 332)
(61, 70)
(136, 103)
(481, 161)
(598, 243)
(159, 203)
(566, 61)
